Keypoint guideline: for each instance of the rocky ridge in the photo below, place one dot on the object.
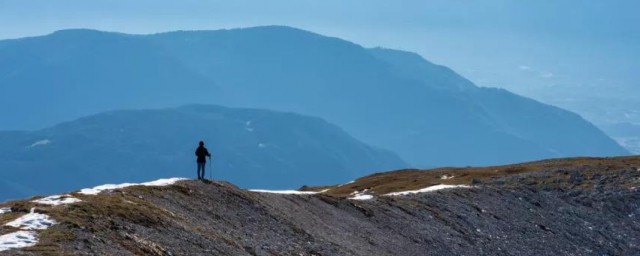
(580, 206)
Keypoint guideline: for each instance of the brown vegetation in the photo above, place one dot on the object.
(412, 179)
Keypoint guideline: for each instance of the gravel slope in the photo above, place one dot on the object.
(590, 212)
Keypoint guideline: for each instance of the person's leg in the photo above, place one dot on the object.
(203, 170)
(199, 172)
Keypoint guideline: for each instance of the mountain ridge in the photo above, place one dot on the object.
(580, 206)
(251, 147)
(426, 113)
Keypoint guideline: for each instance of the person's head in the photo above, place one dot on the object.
(201, 143)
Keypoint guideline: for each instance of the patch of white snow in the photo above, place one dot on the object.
(427, 189)
(32, 221)
(27, 236)
(347, 183)
(96, 190)
(40, 143)
(247, 126)
(360, 195)
(18, 239)
(5, 210)
(446, 177)
(57, 200)
(162, 182)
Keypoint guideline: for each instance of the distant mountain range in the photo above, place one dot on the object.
(396, 100)
(627, 134)
(252, 148)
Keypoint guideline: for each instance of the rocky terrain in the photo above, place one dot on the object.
(580, 206)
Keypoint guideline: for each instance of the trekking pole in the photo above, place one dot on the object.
(210, 169)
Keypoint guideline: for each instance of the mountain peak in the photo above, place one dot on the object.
(413, 66)
(84, 31)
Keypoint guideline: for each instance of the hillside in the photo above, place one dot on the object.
(251, 148)
(627, 134)
(395, 100)
(581, 206)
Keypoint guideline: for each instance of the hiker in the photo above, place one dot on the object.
(202, 153)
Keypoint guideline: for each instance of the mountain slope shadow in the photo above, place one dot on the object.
(251, 148)
(396, 100)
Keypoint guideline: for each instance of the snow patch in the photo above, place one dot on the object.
(162, 182)
(346, 183)
(360, 195)
(156, 183)
(32, 221)
(247, 126)
(19, 239)
(57, 200)
(446, 177)
(5, 210)
(27, 236)
(96, 190)
(427, 189)
(287, 192)
(40, 143)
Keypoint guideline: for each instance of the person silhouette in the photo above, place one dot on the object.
(202, 153)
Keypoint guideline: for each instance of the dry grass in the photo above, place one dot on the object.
(89, 215)
(123, 204)
(403, 180)
(49, 241)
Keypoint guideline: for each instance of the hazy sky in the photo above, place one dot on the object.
(551, 50)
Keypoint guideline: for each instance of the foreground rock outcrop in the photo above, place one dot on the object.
(555, 207)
